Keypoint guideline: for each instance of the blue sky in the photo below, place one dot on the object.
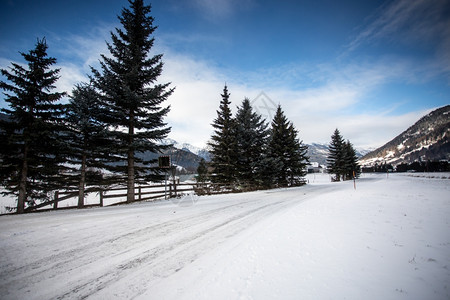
(369, 68)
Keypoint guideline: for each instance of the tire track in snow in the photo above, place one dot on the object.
(160, 259)
(91, 252)
(134, 259)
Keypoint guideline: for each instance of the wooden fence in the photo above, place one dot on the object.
(117, 196)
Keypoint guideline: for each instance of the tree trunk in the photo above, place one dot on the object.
(23, 182)
(130, 181)
(82, 181)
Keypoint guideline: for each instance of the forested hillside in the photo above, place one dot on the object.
(427, 139)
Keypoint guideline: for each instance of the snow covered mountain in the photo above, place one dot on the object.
(184, 160)
(427, 139)
(316, 151)
(319, 152)
(202, 152)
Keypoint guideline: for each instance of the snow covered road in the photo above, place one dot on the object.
(120, 251)
(388, 239)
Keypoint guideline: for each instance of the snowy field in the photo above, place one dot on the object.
(388, 239)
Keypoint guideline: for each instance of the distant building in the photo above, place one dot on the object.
(315, 167)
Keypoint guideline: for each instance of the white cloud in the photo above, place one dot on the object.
(336, 101)
(374, 130)
(363, 130)
(6, 64)
(70, 75)
(196, 99)
(85, 50)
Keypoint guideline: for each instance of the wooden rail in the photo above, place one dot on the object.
(115, 196)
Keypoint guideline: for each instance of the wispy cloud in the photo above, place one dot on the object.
(85, 50)
(402, 20)
(219, 9)
(215, 8)
(340, 98)
(77, 54)
(422, 24)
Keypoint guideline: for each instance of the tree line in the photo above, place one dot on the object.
(93, 140)
(415, 166)
(246, 152)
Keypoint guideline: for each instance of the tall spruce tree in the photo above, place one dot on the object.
(202, 171)
(132, 96)
(252, 135)
(352, 167)
(270, 167)
(336, 156)
(89, 146)
(223, 143)
(287, 150)
(277, 145)
(31, 159)
(297, 157)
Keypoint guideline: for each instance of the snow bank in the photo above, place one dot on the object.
(389, 239)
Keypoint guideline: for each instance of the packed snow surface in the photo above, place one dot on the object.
(388, 239)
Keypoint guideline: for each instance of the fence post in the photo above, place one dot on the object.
(55, 204)
(174, 187)
(101, 198)
(140, 191)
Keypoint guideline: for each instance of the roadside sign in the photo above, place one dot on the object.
(164, 161)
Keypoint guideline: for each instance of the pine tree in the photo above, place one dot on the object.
(223, 143)
(277, 145)
(335, 159)
(131, 95)
(350, 161)
(342, 160)
(202, 171)
(31, 135)
(252, 135)
(89, 146)
(297, 157)
(270, 168)
(287, 150)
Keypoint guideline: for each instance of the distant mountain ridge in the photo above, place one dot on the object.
(202, 152)
(316, 151)
(427, 139)
(184, 160)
